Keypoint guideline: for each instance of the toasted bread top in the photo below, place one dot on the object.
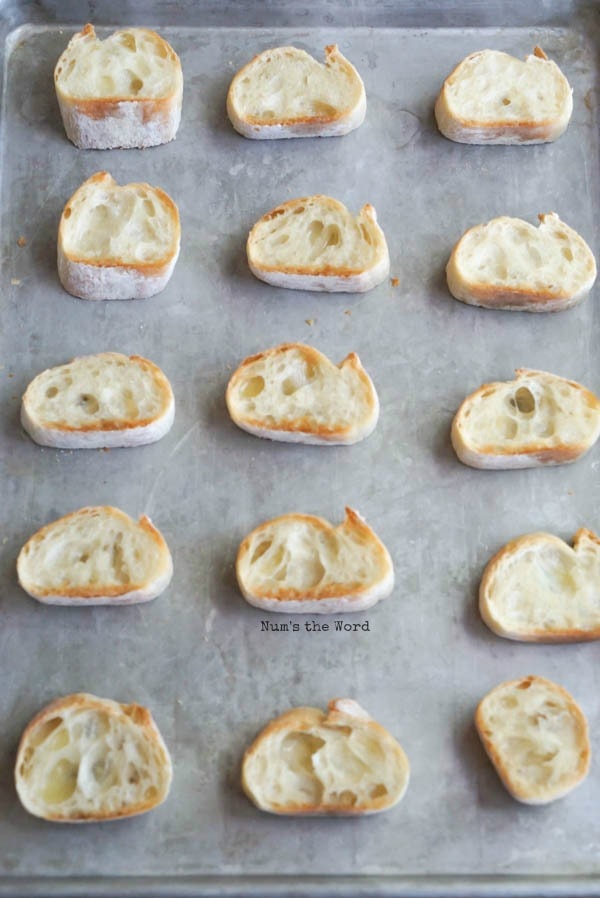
(84, 758)
(102, 392)
(298, 556)
(294, 387)
(286, 86)
(310, 762)
(318, 236)
(536, 736)
(490, 88)
(539, 589)
(540, 415)
(508, 255)
(96, 551)
(105, 224)
(133, 65)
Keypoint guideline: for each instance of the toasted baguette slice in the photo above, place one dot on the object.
(95, 401)
(84, 759)
(539, 589)
(492, 97)
(510, 264)
(286, 93)
(95, 556)
(536, 736)
(339, 763)
(314, 243)
(536, 419)
(301, 564)
(293, 393)
(124, 91)
(117, 242)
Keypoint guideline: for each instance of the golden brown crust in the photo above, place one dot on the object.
(154, 107)
(156, 267)
(561, 453)
(123, 424)
(304, 424)
(109, 591)
(353, 521)
(306, 718)
(517, 545)
(496, 757)
(332, 55)
(137, 713)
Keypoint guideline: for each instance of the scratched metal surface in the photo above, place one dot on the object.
(197, 656)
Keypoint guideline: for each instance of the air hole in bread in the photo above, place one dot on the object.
(149, 208)
(289, 386)
(378, 791)
(273, 562)
(260, 550)
(128, 40)
(524, 684)
(567, 254)
(366, 234)
(252, 387)
(333, 236)
(151, 792)
(345, 799)
(319, 107)
(61, 782)
(89, 403)
(51, 392)
(45, 730)
(135, 84)
(67, 212)
(505, 101)
(268, 113)
(84, 558)
(315, 230)
(281, 240)
(525, 401)
(298, 211)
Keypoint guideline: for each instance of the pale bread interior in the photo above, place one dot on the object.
(491, 87)
(133, 64)
(317, 234)
(130, 225)
(537, 736)
(540, 586)
(95, 390)
(336, 763)
(286, 84)
(91, 552)
(537, 409)
(512, 254)
(294, 386)
(305, 557)
(90, 758)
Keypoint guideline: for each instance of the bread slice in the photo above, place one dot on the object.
(124, 91)
(510, 264)
(310, 762)
(84, 759)
(536, 419)
(536, 736)
(95, 401)
(539, 589)
(117, 242)
(95, 556)
(301, 564)
(492, 97)
(293, 393)
(284, 92)
(314, 243)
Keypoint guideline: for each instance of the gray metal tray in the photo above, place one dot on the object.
(197, 656)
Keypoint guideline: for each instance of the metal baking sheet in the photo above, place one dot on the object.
(198, 656)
